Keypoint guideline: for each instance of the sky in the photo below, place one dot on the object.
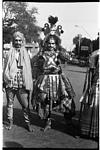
(85, 15)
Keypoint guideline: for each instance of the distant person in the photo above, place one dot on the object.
(18, 79)
(89, 113)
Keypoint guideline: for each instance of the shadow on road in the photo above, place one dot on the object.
(58, 121)
(77, 71)
(13, 144)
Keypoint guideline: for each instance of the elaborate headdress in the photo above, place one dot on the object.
(50, 29)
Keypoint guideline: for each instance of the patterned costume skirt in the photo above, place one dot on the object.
(89, 121)
(53, 92)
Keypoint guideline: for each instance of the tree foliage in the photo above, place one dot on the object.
(76, 40)
(95, 44)
(81, 42)
(16, 16)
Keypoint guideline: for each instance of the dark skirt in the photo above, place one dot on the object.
(89, 120)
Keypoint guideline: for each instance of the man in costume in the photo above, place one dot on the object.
(52, 90)
(18, 79)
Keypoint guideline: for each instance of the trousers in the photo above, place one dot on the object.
(23, 98)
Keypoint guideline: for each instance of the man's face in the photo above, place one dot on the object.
(18, 42)
(52, 44)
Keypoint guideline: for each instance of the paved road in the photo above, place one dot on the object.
(61, 135)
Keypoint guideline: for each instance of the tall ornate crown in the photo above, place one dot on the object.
(51, 28)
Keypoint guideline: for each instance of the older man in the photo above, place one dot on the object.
(18, 79)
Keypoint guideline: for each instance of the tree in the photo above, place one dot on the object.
(16, 16)
(79, 42)
(76, 40)
(96, 43)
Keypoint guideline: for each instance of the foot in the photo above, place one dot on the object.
(29, 128)
(48, 125)
(9, 126)
(46, 128)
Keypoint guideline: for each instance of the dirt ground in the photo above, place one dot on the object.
(61, 135)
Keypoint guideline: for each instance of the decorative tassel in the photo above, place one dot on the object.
(52, 20)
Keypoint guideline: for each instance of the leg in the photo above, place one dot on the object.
(10, 100)
(48, 119)
(44, 110)
(23, 96)
(33, 98)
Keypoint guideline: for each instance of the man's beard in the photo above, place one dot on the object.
(18, 45)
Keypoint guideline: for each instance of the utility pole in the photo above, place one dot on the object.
(79, 43)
